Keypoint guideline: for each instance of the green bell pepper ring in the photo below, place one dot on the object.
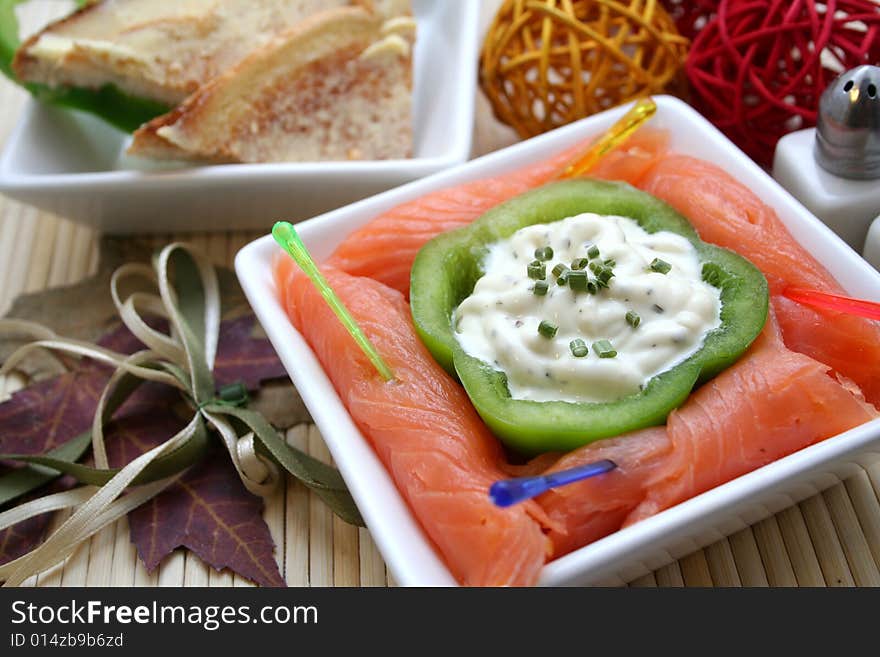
(447, 268)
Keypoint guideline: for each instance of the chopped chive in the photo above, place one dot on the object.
(560, 272)
(537, 270)
(578, 348)
(604, 275)
(544, 253)
(604, 349)
(595, 267)
(660, 266)
(577, 281)
(603, 281)
(540, 288)
(547, 329)
(592, 288)
(610, 262)
(593, 252)
(579, 263)
(633, 319)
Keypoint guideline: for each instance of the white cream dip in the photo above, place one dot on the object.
(498, 322)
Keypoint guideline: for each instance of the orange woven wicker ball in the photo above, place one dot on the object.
(546, 63)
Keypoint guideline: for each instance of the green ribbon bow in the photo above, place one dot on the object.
(189, 299)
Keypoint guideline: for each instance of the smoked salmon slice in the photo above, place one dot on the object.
(384, 249)
(588, 510)
(727, 213)
(771, 403)
(423, 427)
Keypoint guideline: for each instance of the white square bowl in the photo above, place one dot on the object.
(73, 164)
(646, 545)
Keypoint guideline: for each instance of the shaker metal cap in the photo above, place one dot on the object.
(848, 129)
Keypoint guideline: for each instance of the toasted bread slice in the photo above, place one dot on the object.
(337, 86)
(160, 50)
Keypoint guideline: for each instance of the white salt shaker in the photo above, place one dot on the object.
(834, 169)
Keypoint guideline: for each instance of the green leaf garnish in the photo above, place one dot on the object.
(116, 107)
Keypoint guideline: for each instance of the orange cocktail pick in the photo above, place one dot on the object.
(618, 133)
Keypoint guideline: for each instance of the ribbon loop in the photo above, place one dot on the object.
(253, 466)
(193, 306)
(258, 475)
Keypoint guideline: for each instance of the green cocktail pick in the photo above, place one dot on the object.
(286, 236)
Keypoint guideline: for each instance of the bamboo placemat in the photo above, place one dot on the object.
(830, 539)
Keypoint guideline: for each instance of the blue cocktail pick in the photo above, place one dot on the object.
(511, 491)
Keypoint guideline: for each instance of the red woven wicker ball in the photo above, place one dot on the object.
(758, 68)
(691, 16)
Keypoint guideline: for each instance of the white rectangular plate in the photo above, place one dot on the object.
(72, 163)
(635, 550)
